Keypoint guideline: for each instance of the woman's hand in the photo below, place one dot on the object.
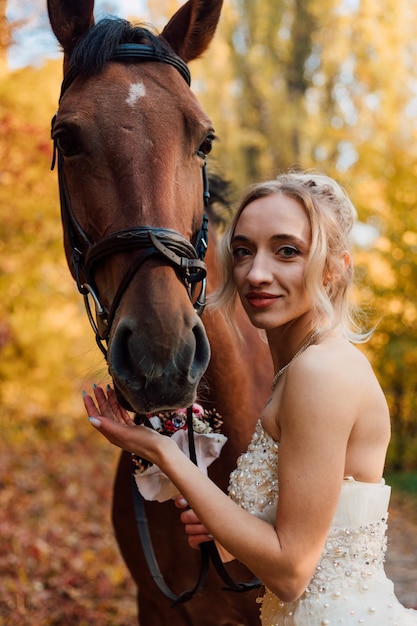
(115, 423)
(196, 531)
(107, 406)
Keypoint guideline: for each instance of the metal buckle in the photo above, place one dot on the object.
(100, 324)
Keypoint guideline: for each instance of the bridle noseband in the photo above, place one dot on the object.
(185, 257)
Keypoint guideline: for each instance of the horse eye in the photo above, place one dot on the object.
(206, 146)
(68, 143)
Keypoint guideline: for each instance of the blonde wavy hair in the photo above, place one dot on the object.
(328, 278)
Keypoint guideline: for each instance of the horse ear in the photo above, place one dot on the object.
(190, 31)
(70, 20)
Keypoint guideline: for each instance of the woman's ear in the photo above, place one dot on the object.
(346, 258)
(327, 276)
(331, 276)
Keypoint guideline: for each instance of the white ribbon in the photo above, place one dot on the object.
(153, 484)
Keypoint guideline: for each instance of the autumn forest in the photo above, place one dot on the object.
(325, 84)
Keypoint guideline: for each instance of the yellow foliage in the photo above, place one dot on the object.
(381, 273)
(329, 86)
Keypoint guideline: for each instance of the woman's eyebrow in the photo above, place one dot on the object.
(287, 237)
(239, 238)
(279, 237)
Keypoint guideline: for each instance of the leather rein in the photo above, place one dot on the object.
(188, 262)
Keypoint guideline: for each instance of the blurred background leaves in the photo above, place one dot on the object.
(326, 84)
(330, 85)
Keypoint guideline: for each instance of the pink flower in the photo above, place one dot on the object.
(198, 410)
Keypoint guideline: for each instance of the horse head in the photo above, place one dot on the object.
(131, 140)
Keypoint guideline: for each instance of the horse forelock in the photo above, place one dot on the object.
(97, 47)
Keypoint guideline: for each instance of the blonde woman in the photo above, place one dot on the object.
(307, 504)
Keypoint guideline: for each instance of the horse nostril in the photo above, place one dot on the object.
(165, 371)
(120, 358)
(202, 351)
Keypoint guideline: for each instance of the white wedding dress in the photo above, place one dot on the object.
(349, 585)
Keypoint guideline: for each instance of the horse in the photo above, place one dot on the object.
(131, 141)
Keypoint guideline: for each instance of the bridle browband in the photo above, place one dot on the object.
(136, 52)
(186, 258)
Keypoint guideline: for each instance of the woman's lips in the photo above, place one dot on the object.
(260, 300)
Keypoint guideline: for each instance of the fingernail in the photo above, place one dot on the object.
(210, 536)
(94, 421)
(183, 502)
(94, 385)
(83, 393)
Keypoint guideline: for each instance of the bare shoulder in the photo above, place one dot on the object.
(331, 377)
(332, 414)
(333, 362)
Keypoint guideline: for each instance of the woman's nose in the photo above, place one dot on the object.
(260, 270)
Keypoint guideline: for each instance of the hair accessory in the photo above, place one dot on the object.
(308, 343)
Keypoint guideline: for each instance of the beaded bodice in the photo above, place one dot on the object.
(349, 579)
(350, 554)
(254, 483)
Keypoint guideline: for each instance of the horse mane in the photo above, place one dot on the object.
(95, 49)
(220, 206)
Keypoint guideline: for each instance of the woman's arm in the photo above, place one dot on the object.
(310, 478)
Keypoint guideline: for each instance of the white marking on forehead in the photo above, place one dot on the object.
(136, 91)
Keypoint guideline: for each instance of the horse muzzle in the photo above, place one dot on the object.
(160, 373)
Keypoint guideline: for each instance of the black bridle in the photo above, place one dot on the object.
(188, 261)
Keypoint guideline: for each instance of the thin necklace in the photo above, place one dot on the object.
(300, 351)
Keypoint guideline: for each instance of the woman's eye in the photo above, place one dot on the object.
(288, 251)
(240, 252)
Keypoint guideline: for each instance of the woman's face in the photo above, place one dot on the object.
(270, 246)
